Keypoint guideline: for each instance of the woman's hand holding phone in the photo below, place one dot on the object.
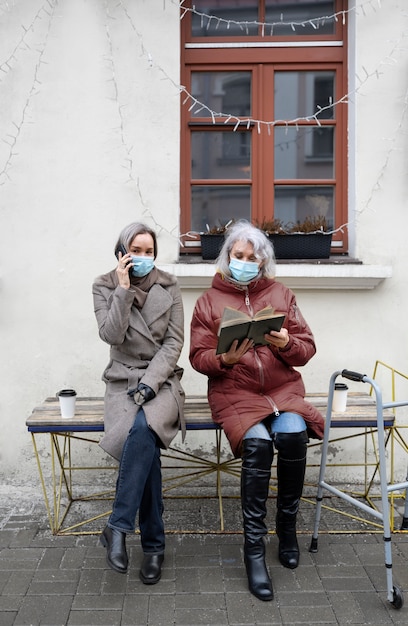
(124, 268)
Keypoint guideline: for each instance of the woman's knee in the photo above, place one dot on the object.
(258, 431)
(291, 445)
(140, 425)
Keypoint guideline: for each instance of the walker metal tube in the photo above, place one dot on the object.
(394, 594)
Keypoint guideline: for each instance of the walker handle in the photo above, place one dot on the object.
(353, 376)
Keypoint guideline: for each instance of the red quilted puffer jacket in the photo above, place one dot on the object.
(264, 381)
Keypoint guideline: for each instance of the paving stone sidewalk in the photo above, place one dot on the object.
(64, 580)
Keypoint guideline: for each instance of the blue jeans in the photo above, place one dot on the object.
(139, 487)
(285, 422)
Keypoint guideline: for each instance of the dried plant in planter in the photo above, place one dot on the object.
(212, 240)
(309, 239)
(313, 224)
(272, 227)
(218, 230)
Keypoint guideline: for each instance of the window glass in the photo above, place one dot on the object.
(220, 154)
(288, 18)
(304, 94)
(296, 203)
(223, 18)
(221, 92)
(304, 152)
(231, 18)
(263, 133)
(214, 205)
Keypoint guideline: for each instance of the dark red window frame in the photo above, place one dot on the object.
(262, 61)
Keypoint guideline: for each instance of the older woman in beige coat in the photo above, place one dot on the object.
(139, 312)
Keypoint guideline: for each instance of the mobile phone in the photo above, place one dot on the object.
(121, 248)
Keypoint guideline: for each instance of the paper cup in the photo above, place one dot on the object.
(67, 398)
(340, 397)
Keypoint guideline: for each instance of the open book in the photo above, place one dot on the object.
(238, 325)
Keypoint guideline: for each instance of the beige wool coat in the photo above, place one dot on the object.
(144, 347)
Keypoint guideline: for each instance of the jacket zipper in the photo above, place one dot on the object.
(251, 311)
(248, 302)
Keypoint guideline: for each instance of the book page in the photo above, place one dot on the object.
(231, 316)
(265, 313)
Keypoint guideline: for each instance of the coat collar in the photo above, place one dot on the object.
(110, 280)
(222, 283)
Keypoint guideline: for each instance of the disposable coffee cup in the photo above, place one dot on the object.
(67, 398)
(340, 397)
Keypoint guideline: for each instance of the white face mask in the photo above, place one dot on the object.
(243, 271)
(142, 265)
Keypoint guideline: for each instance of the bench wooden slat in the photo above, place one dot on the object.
(361, 412)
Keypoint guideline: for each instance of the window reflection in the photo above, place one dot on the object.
(304, 94)
(222, 92)
(225, 15)
(235, 18)
(296, 203)
(292, 19)
(220, 154)
(214, 205)
(305, 152)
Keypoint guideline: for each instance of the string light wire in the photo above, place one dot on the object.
(12, 138)
(267, 27)
(48, 8)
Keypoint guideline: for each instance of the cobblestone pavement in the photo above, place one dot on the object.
(64, 580)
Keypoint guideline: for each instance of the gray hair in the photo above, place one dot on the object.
(263, 248)
(131, 231)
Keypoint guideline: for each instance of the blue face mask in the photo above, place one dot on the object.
(142, 265)
(243, 271)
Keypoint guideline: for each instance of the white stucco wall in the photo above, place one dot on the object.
(89, 130)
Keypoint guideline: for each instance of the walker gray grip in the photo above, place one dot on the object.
(353, 376)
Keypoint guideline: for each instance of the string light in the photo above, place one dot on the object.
(128, 158)
(8, 63)
(313, 22)
(399, 130)
(47, 11)
(13, 138)
(314, 118)
(305, 119)
(146, 211)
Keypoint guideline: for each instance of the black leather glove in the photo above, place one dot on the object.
(142, 394)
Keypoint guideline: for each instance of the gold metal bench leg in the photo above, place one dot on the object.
(44, 489)
(219, 485)
(65, 479)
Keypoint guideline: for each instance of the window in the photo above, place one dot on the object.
(264, 126)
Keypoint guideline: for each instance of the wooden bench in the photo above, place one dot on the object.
(180, 467)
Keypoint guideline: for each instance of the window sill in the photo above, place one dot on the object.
(334, 273)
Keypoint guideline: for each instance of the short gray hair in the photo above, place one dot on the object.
(131, 231)
(263, 248)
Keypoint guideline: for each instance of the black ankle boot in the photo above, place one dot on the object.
(116, 555)
(291, 465)
(257, 459)
(150, 572)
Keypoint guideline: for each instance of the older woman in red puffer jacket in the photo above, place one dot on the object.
(255, 393)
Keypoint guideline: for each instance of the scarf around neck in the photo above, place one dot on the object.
(141, 287)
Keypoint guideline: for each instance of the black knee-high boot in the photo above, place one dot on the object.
(257, 459)
(291, 465)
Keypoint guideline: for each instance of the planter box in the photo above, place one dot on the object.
(211, 245)
(301, 245)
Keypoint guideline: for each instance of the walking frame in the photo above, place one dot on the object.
(394, 593)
